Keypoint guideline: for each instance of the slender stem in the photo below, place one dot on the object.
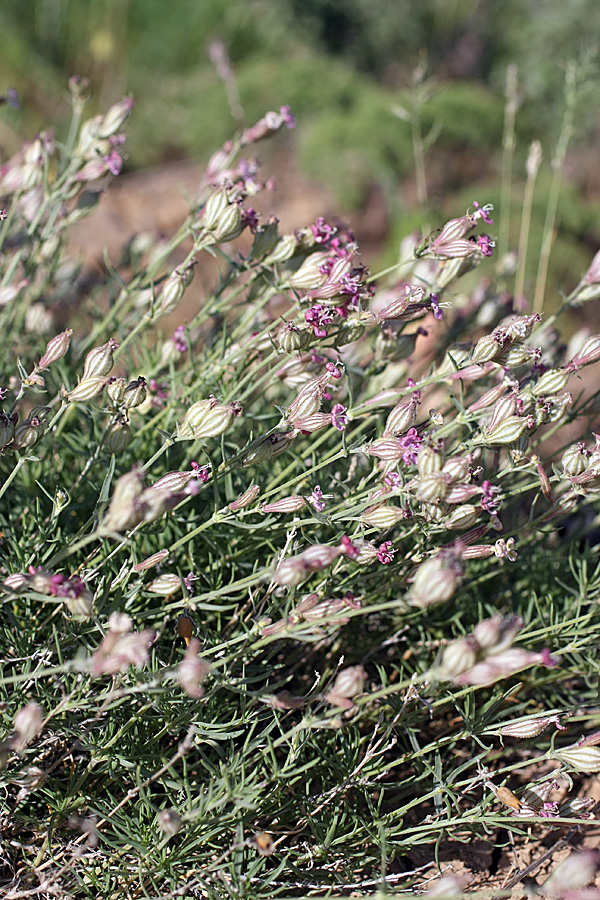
(533, 164)
(508, 148)
(555, 187)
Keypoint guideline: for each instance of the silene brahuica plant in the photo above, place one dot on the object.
(302, 588)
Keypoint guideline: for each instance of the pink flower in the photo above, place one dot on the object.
(339, 419)
(386, 553)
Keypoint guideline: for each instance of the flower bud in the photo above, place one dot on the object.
(115, 118)
(575, 460)
(432, 488)
(386, 448)
(488, 399)
(215, 206)
(87, 389)
(551, 382)
(115, 388)
(290, 504)
(486, 349)
(267, 447)
(310, 424)
(462, 517)
(292, 338)
(230, 224)
(429, 461)
(118, 437)
(124, 511)
(582, 759)
(174, 288)
(135, 393)
(458, 657)
(350, 682)
(382, 517)
(284, 249)
(367, 552)
(527, 728)
(55, 349)
(402, 417)
(435, 581)
(26, 434)
(80, 605)
(99, 360)
(504, 408)
(151, 561)
(169, 822)
(589, 353)
(497, 633)
(507, 432)
(165, 584)
(513, 356)
(205, 419)
(245, 499)
(309, 276)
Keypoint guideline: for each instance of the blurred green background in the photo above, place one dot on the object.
(365, 78)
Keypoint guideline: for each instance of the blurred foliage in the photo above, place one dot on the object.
(344, 66)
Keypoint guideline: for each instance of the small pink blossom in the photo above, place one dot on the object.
(317, 499)
(339, 419)
(386, 553)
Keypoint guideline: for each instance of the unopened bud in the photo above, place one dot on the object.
(174, 288)
(230, 224)
(309, 276)
(551, 382)
(386, 448)
(402, 417)
(435, 581)
(290, 504)
(575, 460)
(527, 728)
(87, 389)
(507, 432)
(488, 399)
(118, 437)
(245, 499)
(310, 424)
(165, 584)
(589, 353)
(205, 419)
(504, 408)
(124, 510)
(151, 561)
(267, 447)
(432, 488)
(135, 393)
(486, 349)
(169, 822)
(429, 461)
(583, 759)
(462, 517)
(99, 360)
(292, 338)
(115, 118)
(514, 356)
(350, 682)
(382, 517)
(56, 349)
(115, 388)
(458, 657)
